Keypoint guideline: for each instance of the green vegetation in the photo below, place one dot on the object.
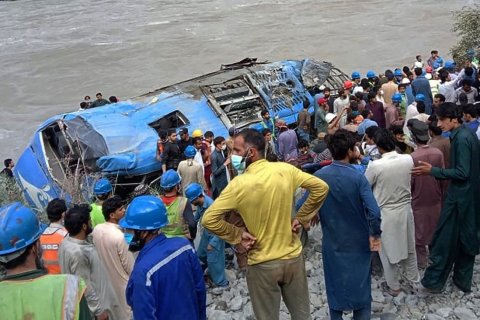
(467, 27)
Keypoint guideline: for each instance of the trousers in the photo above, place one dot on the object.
(270, 281)
(360, 314)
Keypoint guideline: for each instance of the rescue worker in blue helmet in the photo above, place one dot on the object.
(102, 191)
(179, 210)
(167, 279)
(27, 288)
(398, 76)
(356, 77)
(211, 249)
(372, 78)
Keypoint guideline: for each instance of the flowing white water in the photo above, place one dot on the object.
(52, 53)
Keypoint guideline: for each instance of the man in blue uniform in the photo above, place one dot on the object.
(350, 219)
(167, 280)
(211, 249)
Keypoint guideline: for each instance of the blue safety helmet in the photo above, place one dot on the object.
(355, 75)
(19, 228)
(145, 213)
(449, 64)
(420, 97)
(102, 186)
(170, 179)
(397, 97)
(371, 74)
(193, 191)
(398, 73)
(190, 152)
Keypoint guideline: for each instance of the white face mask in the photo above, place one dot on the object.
(223, 147)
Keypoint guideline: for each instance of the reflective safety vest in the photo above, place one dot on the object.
(52, 297)
(50, 241)
(176, 223)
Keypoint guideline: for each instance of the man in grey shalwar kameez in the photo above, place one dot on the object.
(79, 257)
(390, 180)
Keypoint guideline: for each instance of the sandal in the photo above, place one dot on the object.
(389, 290)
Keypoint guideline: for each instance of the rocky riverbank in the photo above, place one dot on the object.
(234, 302)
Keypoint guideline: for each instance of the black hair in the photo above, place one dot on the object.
(83, 105)
(372, 95)
(253, 138)
(384, 140)
(467, 82)
(99, 94)
(327, 89)
(110, 206)
(162, 134)
(433, 127)
(354, 105)
(463, 98)
(18, 261)
(468, 72)
(218, 140)
(171, 131)
(209, 134)
(85, 98)
(440, 96)
(266, 131)
(113, 99)
(359, 95)
(302, 144)
(471, 110)
(443, 75)
(365, 113)
(76, 217)
(103, 197)
(418, 71)
(341, 91)
(417, 56)
(7, 162)
(402, 85)
(396, 129)
(371, 131)
(421, 107)
(263, 112)
(434, 52)
(406, 69)
(55, 209)
(351, 117)
(340, 142)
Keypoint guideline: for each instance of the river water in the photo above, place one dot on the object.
(52, 53)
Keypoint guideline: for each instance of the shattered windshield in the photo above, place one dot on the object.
(90, 143)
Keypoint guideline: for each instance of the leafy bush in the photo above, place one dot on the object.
(467, 26)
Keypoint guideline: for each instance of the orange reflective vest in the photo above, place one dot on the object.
(50, 241)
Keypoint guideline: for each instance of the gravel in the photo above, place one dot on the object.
(234, 302)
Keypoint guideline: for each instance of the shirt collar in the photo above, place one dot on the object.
(257, 165)
(454, 132)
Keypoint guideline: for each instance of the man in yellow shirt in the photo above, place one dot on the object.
(264, 196)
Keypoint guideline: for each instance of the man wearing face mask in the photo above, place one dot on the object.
(27, 289)
(79, 257)
(167, 280)
(263, 196)
(219, 167)
(53, 236)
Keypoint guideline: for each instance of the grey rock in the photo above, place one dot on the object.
(221, 305)
(377, 296)
(400, 299)
(465, 314)
(236, 303)
(444, 312)
(411, 300)
(377, 307)
(209, 299)
(219, 315)
(231, 275)
(388, 316)
(432, 316)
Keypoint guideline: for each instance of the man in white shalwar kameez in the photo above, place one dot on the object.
(390, 179)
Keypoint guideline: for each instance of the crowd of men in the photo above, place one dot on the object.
(87, 102)
(393, 172)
